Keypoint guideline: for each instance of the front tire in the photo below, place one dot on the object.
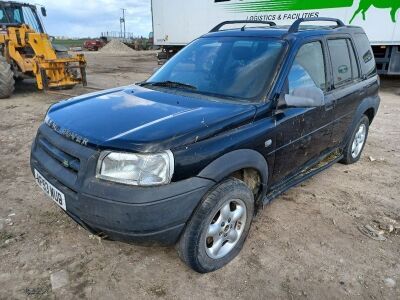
(7, 81)
(218, 229)
(353, 150)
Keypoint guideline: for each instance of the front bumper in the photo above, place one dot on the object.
(120, 212)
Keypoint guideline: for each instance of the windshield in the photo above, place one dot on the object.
(223, 66)
(24, 15)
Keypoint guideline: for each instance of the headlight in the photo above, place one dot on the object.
(136, 169)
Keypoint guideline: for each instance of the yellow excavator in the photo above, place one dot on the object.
(26, 51)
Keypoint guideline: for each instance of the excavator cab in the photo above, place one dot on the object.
(26, 51)
(14, 13)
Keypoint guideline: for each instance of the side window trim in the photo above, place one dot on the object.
(328, 67)
(324, 54)
(350, 46)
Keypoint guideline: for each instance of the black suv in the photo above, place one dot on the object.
(189, 156)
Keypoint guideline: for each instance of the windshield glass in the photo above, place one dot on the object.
(223, 66)
(24, 15)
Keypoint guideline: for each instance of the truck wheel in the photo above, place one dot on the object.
(218, 229)
(352, 151)
(7, 81)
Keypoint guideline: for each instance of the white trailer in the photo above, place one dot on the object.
(178, 22)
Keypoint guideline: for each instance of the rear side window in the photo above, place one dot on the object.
(364, 50)
(344, 65)
(308, 69)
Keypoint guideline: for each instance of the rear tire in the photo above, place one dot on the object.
(7, 81)
(218, 229)
(354, 148)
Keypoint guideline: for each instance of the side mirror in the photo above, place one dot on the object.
(43, 10)
(305, 97)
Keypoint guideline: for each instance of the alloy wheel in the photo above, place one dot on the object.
(226, 228)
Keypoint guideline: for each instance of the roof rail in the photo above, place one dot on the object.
(220, 25)
(295, 26)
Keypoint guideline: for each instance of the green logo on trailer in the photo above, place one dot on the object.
(394, 5)
(286, 5)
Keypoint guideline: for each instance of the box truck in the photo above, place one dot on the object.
(176, 23)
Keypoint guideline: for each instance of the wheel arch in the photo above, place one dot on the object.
(239, 164)
(370, 113)
(369, 107)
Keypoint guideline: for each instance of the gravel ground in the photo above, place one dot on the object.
(305, 245)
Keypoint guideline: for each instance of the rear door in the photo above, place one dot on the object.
(303, 133)
(347, 87)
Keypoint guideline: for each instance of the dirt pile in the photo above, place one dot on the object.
(116, 47)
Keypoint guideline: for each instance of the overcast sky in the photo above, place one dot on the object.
(83, 18)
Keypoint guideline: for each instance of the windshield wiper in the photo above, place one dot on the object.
(170, 84)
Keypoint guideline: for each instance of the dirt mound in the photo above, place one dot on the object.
(116, 47)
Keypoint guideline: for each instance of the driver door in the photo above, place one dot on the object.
(304, 129)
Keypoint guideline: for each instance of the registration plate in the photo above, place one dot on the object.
(57, 196)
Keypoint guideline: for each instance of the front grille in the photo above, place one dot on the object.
(65, 160)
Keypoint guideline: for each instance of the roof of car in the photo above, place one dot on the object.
(283, 31)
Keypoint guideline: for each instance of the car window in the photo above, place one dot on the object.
(308, 69)
(364, 50)
(299, 77)
(230, 67)
(341, 62)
